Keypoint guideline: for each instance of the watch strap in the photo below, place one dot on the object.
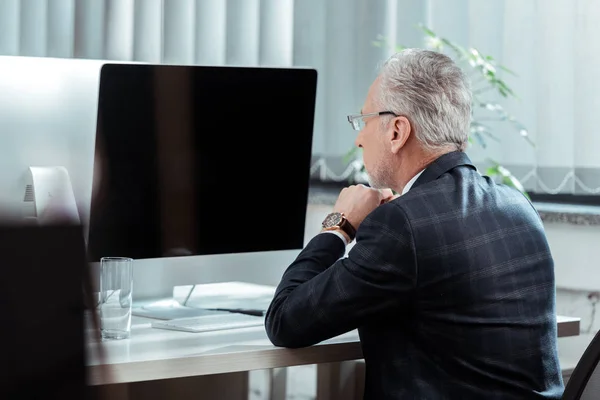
(347, 227)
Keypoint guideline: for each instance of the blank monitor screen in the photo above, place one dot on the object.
(195, 160)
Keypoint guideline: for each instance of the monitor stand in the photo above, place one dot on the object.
(49, 196)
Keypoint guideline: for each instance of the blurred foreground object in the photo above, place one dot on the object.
(41, 293)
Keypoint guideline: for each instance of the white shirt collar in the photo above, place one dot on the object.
(411, 182)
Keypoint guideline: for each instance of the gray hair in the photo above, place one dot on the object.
(432, 92)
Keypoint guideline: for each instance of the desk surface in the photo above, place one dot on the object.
(153, 354)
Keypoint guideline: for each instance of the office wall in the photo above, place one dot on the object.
(575, 250)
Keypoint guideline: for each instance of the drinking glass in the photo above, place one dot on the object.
(116, 286)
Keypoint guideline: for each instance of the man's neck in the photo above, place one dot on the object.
(415, 162)
(411, 182)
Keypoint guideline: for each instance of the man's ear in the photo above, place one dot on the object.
(400, 132)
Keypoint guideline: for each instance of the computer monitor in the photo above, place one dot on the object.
(196, 160)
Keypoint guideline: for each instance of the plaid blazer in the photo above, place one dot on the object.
(451, 287)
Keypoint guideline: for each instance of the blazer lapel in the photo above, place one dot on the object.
(442, 165)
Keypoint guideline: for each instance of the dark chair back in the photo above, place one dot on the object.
(584, 383)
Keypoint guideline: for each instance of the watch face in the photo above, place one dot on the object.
(333, 219)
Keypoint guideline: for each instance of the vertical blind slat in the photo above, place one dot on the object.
(33, 27)
(276, 32)
(9, 27)
(370, 23)
(518, 54)
(554, 57)
(485, 34)
(147, 31)
(587, 84)
(450, 19)
(118, 31)
(310, 20)
(243, 32)
(89, 29)
(409, 12)
(341, 96)
(179, 32)
(211, 31)
(390, 25)
(61, 27)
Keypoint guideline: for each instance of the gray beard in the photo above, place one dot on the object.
(380, 179)
(374, 183)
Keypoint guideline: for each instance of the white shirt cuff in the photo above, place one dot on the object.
(338, 235)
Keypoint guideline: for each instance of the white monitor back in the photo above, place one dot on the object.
(48, 112)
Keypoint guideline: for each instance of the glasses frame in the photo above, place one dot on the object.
(354, 119)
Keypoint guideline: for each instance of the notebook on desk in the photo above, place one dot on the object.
(171, 309)
(225, 295)
(210, 323)
(210, 299)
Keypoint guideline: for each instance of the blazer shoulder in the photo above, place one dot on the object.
(388, 212)
(389, 219)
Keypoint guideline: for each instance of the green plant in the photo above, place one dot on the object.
(484, 72)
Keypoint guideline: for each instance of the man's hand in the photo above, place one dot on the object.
(357, 201)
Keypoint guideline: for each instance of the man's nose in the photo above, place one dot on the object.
(357, 141)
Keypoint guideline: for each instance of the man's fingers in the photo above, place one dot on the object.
(388, 199)
(386, 193)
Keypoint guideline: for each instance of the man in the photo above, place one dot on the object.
(451, 284)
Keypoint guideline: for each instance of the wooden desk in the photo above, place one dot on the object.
(156, 354)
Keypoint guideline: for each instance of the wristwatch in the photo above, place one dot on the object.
(337, 220)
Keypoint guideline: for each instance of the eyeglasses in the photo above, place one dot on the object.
(357, 120)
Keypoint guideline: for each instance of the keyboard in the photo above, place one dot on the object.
(209, 323)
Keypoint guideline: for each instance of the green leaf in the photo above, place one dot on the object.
(477, 126)
(503, 68)
(490, 75)
(460, 51)
(510, 180)
(492, 106)
(489, 134)
(497, 109)
(434, 43)
(427, 31)
(351, 155)
(492, 171)
(514, 182)
(479, 139)
(502, 85)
